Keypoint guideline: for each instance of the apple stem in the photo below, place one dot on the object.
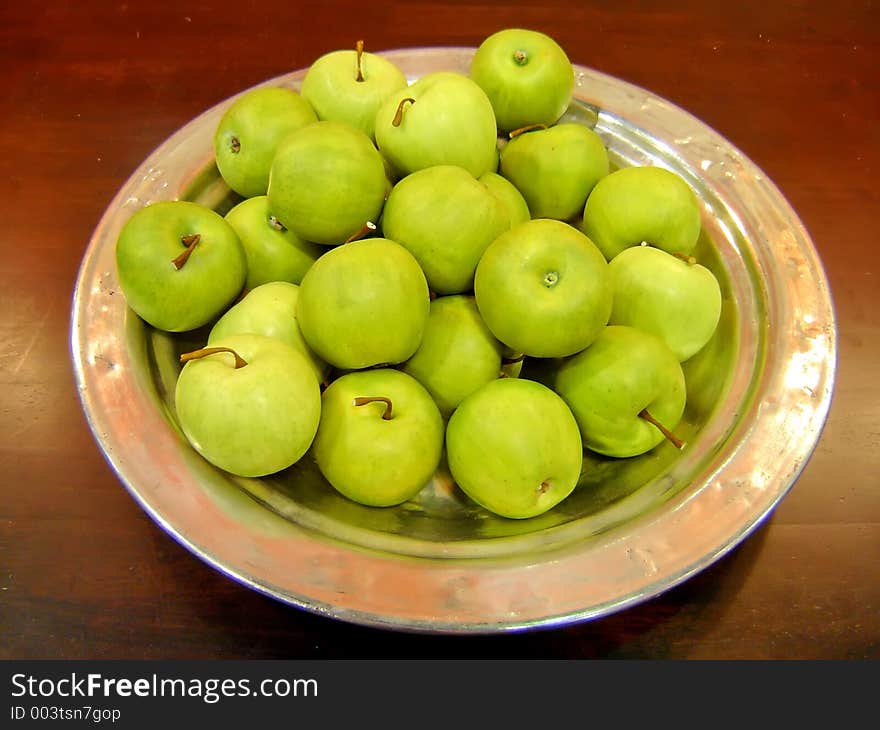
(544, 486)
(190, 242)
(364, 230)
(235, 145)
(398, 115)
(673, 439)
(386, 416)
(276, 224)
(521, 57)
(684, 257)
(240, 362)
(527, 128)
(359, 49)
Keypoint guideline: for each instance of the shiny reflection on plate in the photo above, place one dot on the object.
(758, 397)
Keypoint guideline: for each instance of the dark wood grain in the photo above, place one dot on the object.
(90, 88)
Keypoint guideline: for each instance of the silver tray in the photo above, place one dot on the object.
(759, 394)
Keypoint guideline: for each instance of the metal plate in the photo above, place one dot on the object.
(758, 397)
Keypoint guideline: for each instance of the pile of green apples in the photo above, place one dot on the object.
(403, 255)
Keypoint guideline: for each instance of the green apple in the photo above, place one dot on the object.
(674, 298)
(273, 252)
(642, 204)
(543, 289)
(555, 168)
(327, 181)
(506, 192)
(269, 310)
(623, 389)
(364, 304)
(458, 353)
(527, 76)
(180, 264)
(443, 118)
(446, 219)
(514, 447)
(350, 86)
(249, 132)
(250, 404)
(380, 439)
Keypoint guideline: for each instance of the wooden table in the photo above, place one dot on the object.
(90, 88)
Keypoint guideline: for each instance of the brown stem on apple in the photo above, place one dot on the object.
(690, 260)
(235, 145)
(366, 229)
(521, 57)
(362, 401)
(190, 242)
(398, 115)
(544, 486)
(240, 362)
(527, 128)
(359, 49)
(276, 224)
(671, 437)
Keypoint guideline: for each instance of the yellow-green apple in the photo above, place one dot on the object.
(543, 289)
(446, 219)
(458, 353)
(380, 439)
(180, 264)
(513, 446)
(364, 304)
(250, 404)
(626, 390)
(327, 182)
(636, 205)
(527, 76)
(443, 118)
(555, 168)
(672, 297)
